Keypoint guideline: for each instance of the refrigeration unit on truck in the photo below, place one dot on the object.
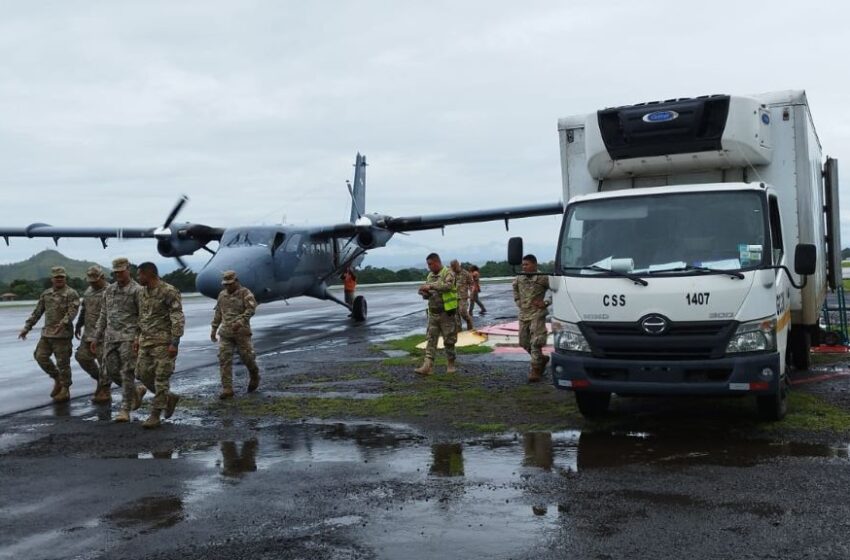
(697, 246)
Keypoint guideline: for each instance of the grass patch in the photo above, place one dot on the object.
(408, 344)
(808, 412)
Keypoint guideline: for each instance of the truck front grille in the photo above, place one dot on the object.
(682, 341)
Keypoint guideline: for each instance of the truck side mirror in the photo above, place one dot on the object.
(515, 251)
(805, 259)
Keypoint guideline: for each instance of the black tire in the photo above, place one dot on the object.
(359, 309)
(592, 405)
(800, 343)
(773, 408)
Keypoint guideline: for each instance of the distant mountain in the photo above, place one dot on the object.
(38, 266)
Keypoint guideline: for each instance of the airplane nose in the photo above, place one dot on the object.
(208, 283)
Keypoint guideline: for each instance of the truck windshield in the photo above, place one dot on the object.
(665, 234)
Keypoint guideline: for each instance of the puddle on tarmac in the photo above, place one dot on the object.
(148, 514)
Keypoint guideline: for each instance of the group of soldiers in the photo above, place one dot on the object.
(451, 293)
(130, 331)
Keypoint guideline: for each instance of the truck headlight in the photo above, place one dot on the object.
(568, 337)
(755, 336)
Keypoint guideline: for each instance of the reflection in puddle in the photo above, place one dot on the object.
(538, 450)
(447, 459)
(235, 462)
(150, 514)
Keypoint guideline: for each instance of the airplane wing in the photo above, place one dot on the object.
(46, 230)
(437, 221)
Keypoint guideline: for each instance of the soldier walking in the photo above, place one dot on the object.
(464, 283)
(59, 305)
(441, 292)
(529, 292)
(475, 290)
(161, 324)
(92, 360)
(232, 322)
(117, 329)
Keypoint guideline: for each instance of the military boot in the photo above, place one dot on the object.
(102, 395)
(170, 404)
(254, 381)
(426, 368)
(56, 388)
(450, 368)
(64, 395)
(153, 420)
(226, 393)
(138, 394)
(534, 376)
(469, 325)
(122, 416)
(543, 365)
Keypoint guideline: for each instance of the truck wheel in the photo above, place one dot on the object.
(592, 405)
(773, 407)
(800, 343)
(359, 309)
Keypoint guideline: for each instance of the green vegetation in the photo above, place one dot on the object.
(408, 344)
(808, 412)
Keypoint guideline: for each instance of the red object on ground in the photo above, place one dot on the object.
(840, 349)
(518, 350)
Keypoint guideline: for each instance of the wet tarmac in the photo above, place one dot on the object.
(226, 485)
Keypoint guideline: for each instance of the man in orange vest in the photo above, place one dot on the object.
(349, 285)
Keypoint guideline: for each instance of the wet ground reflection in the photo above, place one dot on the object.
(148, 514)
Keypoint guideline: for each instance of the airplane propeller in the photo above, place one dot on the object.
(164, 232)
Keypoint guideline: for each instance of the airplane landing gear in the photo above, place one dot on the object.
(359, 309)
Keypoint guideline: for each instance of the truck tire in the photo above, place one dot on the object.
(592, 405)
(773, 407)
(800, 343)
(359, 309)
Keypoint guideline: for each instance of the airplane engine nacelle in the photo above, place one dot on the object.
(175, 247)
(366, 239)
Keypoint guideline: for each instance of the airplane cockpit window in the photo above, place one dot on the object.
(293, 243)
(246, 238)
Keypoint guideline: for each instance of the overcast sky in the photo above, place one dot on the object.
(110, 110)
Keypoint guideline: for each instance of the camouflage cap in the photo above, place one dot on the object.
(120, 264)
(228, 277)
(58, 272)
(94, 273)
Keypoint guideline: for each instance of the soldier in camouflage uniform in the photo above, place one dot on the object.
(117, 328)
(464, 285)
(440, 291)
(161, 324)
(232, 322)
(529, 292)
(86, 329)
(59, 305)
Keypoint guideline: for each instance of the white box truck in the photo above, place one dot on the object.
(698, 242)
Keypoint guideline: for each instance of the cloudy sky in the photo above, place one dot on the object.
(110, 110)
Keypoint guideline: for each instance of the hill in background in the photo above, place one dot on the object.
(38, 266)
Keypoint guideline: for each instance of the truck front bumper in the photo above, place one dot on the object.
(724, 376)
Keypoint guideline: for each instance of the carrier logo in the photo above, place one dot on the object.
(654, 324)
(660, 116)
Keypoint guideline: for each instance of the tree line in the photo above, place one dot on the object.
(31, 289)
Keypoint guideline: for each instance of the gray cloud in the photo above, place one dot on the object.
(255, 109)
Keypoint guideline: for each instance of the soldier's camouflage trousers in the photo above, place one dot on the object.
(154, 368)
(532, 337)
(89, 362)
(119, 364)
(244, 347)
(61, 349)
(463, 314)
(445, 325)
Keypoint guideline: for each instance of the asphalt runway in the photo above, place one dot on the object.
(215, 482)
(277, 327)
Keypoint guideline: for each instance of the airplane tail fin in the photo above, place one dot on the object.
(358, 189)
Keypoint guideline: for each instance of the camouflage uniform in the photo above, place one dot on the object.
(232, 310)
(532, 320)
(440, 321)
(161, 323)
(89, 314)
(118, 327)
(464, 285)
(59, 308)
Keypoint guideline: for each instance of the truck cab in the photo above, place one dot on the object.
(698, 242)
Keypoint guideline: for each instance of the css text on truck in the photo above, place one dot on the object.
(697, 246)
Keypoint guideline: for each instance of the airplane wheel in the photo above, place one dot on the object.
(359, 309)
